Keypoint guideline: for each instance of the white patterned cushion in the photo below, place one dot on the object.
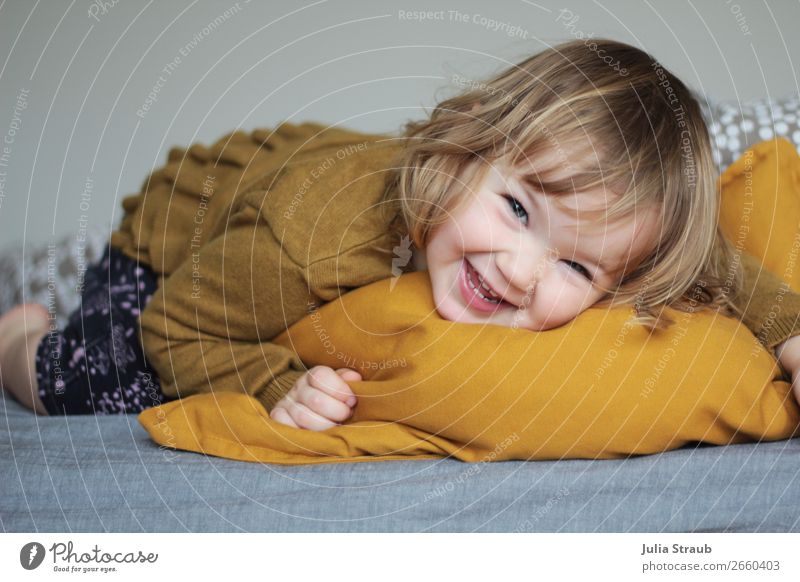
(734, 128)
(49, 274)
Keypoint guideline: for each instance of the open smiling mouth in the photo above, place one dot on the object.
(475, 292)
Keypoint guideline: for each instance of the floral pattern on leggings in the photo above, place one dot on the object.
(95, 364)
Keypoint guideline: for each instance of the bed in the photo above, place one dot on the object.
(91, 474)
(87, 474)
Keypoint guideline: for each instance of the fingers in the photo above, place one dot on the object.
(319, 400)
(280, 414)
(303, 417)
(331, 382)
(322, 404)
(349, 374)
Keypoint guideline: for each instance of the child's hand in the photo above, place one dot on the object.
(319, 399)
(788, 353)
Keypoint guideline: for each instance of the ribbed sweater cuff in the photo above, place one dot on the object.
(780, 329)
(277, 388)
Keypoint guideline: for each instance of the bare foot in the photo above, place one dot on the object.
(21, 330)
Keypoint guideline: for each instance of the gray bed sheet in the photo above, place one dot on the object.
(98, 474)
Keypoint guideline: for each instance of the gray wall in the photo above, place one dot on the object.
(74, 75)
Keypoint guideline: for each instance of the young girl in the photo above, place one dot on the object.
(561, 184)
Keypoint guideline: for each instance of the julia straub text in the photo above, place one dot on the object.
(675, 549)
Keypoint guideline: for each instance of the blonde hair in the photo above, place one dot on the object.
(646, 141)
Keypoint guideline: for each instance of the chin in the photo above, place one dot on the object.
(451, 313)
(551, 325)
(534, 326)
(442, 310)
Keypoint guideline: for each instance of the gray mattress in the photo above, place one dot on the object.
(83, 473)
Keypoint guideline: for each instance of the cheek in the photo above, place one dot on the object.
(562, 297)
(471, 231)
(480, 218)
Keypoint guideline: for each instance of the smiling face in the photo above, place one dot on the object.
(539, 260)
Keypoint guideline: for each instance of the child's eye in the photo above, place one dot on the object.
(580, 268)
(516, 207)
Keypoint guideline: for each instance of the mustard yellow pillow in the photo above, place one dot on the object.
(760, 209)
(596, 388)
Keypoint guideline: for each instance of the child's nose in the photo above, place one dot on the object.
(525, 270)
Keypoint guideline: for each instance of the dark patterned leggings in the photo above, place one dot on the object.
(96, 364)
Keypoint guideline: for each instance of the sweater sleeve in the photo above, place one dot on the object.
(160, 223)
(180, 202)
(771, 310)
(210, 322)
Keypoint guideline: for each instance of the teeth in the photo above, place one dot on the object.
(486, 287)
(494, 297)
